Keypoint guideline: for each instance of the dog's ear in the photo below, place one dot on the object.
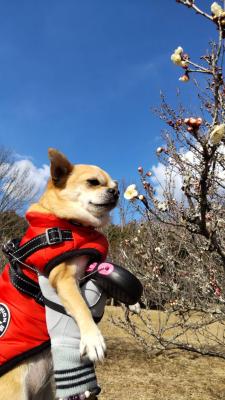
(60, 167)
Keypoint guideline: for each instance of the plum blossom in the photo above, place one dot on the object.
(217, 134)
(162, 207)
(131, 192)
(217, 10)
(158, 249)
(175, 287)
(177, 58)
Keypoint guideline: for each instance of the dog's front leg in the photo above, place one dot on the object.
(63, 279)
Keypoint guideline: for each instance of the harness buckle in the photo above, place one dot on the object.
(53, 236)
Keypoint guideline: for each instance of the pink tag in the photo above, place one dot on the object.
(105, 268)
(91, 267)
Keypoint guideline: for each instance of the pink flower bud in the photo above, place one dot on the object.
(149, 173)
(190, 129)
(218, 292)
(185, 56)
(141, 197)
(192, 121)
(184, 78)
(140, 170)
(199, 121)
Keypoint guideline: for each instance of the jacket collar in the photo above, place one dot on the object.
(46, 220)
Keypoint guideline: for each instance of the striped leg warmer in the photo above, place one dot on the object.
(73, 375)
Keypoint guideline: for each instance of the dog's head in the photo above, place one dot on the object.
(83, 193)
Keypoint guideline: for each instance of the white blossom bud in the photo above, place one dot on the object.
(184, 78)
(178, 50)
(217, 134)
(159, 150)
(217, 10)
(221, 223)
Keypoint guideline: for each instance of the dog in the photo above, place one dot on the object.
(83, 195)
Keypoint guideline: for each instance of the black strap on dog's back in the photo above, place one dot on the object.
(17, 254)
(24, 284)
(50, 237)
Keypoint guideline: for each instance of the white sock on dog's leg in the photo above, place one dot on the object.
(73, 376)
(84, 396)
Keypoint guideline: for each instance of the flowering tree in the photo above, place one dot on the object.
(16, 190)
(178, 249)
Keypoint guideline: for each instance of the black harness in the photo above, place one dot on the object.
(17, 254)
(120, 284)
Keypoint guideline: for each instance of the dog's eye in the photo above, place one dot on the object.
(93, 182)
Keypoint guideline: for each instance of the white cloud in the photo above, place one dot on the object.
(169, 177)
(163, 177)
(24, 172)
(38, 177)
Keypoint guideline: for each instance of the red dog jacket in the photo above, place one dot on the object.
(23, 329)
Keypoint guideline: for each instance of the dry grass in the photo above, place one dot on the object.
(128, 374)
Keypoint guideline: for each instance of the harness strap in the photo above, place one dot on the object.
(55, 306)
(50, 237)
(24, 284)
(16, 254)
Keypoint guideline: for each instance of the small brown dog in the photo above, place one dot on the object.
(84, 194)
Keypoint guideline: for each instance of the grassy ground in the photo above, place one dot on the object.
(127, 373)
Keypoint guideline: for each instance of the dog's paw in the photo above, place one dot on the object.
(93, 345)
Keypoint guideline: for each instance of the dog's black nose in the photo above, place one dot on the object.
(114, 191)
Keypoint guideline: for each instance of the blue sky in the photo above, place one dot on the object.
(82, 76)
